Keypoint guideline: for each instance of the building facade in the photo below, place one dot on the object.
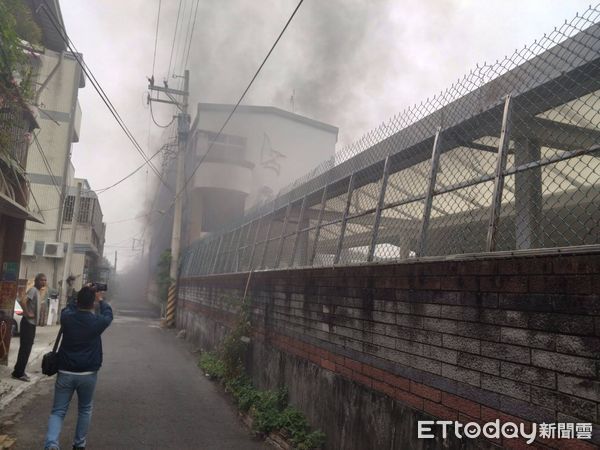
(262, 150)
(59, 78)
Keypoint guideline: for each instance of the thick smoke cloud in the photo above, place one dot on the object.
(351, 63)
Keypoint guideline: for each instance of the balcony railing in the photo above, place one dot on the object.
(16, 127)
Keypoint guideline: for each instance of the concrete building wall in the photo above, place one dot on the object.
(366, 351)
(50, 174)
(303, 143)
(32, 265)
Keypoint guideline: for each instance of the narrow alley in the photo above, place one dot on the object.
(150, 395)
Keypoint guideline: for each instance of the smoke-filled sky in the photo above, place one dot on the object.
(350, 63)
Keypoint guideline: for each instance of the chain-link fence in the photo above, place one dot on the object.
(506, 159)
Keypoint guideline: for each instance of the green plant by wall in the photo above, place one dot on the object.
(269, 409)
(235, 345)
(17, 28)
(212, 365)
(163, 277)
(16, 25)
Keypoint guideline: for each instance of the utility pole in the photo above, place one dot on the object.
(115, 262)
(183, 127)
(67, 267)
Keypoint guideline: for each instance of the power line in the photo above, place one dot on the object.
(46, 164)
(101, 92)
(174, 37)
(182, 42)
(162, 216)
(156, 36)
(191, 35)
(240, 100)
(103, 190)
(156, 123)
(187, 40)
(127, 220)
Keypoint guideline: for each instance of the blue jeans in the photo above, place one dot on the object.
(66, 384)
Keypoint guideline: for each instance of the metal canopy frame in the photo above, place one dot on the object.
(513, 105)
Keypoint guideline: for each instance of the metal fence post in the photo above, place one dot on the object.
(205, 263)
(384, 180)
(499, 183)
(215, 263)
(298, 228)
(243, 248)
(254, 242)
(318, 229)
(236, 250)
(264, 255)
(288, 211)
(435, 163)
(344, 219)
(201, 257)
(191, 257)
(230, 248)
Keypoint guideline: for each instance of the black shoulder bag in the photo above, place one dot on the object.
(50, 359)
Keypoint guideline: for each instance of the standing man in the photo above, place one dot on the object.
(71, 292)
(30, 305)
(79, 359)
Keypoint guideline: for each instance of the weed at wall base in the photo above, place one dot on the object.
(269, 409)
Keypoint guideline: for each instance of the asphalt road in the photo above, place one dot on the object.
(150, 395)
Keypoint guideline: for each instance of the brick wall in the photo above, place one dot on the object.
(516, 339)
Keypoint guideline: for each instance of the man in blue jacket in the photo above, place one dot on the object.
(79, 359)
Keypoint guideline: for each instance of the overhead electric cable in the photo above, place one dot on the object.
(127, 220)
(182, 42)
(156, 36)
(174, 37)
(191, 35)
(47, 164)
(239, 101)
(103, 190)
(158, 124)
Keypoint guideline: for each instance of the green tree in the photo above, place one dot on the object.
(16, 27)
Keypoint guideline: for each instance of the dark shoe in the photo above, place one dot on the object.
(23, 377)
(78, 448)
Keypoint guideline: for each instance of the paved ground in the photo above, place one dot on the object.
(10, 388)
(150, 395)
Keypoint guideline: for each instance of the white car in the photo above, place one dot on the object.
(17, 316)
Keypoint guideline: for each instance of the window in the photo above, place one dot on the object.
(85, 206)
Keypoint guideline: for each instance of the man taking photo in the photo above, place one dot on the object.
(79, 359)
(30, 305)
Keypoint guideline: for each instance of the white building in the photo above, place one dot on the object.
(262, 150)
(58, 80)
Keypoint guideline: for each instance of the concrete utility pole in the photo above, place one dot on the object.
(115, 262)
(69, 257)
(183, 127)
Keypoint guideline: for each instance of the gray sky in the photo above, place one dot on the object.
(351, 63)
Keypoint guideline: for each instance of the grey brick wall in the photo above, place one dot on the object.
(520, 335)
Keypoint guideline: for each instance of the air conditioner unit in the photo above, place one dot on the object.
(28, 248)
(54, 250)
